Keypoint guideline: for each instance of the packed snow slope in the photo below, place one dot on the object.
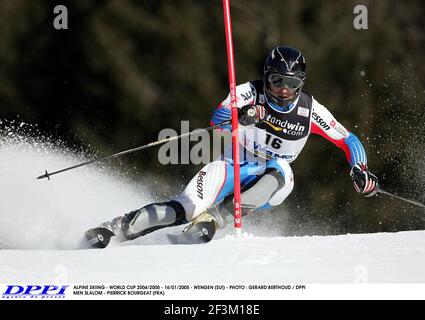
(42, 224)
(371, 258)
(43, 214)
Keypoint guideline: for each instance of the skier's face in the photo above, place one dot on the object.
(283, 92)
(284, 86)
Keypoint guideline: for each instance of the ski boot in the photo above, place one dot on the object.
(101, 236)
(201, 230)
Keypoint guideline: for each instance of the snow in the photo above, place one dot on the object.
(43, 214)
(359, 258)
(42, 223)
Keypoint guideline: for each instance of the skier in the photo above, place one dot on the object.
(276, 119)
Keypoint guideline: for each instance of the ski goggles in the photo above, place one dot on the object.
(281, 81)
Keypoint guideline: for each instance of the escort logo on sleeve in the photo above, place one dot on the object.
(320, 121)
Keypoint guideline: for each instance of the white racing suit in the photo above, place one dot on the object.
(267, 149)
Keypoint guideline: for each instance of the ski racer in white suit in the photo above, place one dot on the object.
(276, 119)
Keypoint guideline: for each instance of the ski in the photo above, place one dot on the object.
(198, 233)
(99, 237)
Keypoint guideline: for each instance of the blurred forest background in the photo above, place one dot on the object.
(126, 69)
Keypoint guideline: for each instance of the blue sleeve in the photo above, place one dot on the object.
(355, 150)
(221, 114)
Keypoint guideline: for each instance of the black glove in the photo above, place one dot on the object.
(364, 181)
(250, 114)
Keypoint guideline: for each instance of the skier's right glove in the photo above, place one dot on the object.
(250, 114)
(365, 182)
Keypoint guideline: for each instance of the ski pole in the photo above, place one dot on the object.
(414, 202)
(155, 143)
(233, 102)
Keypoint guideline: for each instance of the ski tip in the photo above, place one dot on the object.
(98, 237)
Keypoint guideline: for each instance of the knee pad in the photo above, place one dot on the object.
(152, 217)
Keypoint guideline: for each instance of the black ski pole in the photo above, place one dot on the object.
(155, 143)
(414, 202)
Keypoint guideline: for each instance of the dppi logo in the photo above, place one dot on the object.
(34, 291)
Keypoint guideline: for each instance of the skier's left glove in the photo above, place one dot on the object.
(365, 182)
(250, 114)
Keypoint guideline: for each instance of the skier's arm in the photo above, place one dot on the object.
(221, 113)
(324, 124)
(245, 95)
